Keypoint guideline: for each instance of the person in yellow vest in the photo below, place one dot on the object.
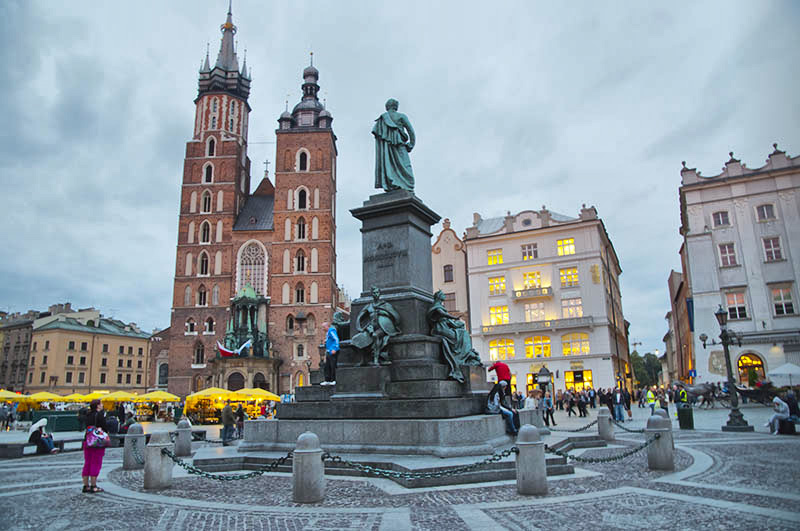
(683, 397)
(651, 399)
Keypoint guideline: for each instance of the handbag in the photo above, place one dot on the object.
(97, 437)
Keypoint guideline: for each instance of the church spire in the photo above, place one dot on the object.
(225, 76)
(227, 53)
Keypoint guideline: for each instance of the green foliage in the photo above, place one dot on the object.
(646, 368)
(752, 377)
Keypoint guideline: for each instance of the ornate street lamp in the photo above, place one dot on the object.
(736, 420)
(543, 379)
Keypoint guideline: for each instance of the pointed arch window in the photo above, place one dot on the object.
(205, 232)
(210, 325)
(252, 267)
(302, 200)
(202, 296)
(301, 229)
(203, 268)
(205, 203)
(199, 354)
(290, 323)
(300, 261)
(299, 293)
(208, 173)
(187, 296)
(215, 295)
(214, 120)
(190, 326)
(212, 147)
(303, 165)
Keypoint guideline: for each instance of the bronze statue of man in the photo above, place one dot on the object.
(394, 139)
(456, 342)
(376, 324)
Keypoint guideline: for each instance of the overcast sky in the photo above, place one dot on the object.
(515, 104)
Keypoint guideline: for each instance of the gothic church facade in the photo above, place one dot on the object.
(268, 256)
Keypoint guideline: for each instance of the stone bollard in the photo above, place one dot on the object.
(531, 462)
(157, 466)
(183, 441)
(661, 452)
(308, 470)
(135, 436)
(605, 429)
(661, 413)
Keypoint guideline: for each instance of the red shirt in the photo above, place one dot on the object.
(503, 372)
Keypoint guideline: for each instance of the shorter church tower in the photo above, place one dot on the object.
(303, 280)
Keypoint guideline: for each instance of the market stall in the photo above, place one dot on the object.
(150, 406)
(204, 407)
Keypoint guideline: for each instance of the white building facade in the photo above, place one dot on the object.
(544, 290)
(741, 232)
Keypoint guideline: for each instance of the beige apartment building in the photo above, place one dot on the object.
(449, 261)
(84, 352)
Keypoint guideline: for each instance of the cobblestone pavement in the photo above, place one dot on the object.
(735, 481)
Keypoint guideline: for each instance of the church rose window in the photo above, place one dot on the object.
(251, 267)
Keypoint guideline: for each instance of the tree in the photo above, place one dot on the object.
(646, 368)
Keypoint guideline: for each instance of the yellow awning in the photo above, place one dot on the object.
(45, 396)
(11, 396)
(119, 396)
(95, 395)
(158, 396)
(253, 393)
(74, 397)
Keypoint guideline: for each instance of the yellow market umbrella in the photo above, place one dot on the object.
(9, 396)
(95, 395)
(119, 396)
(45, 396)
(74, 397)
(209, 393)
(158, 396)
(253, 393)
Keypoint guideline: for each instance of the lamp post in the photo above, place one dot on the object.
(736, 420)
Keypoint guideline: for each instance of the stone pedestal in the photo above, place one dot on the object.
(183, 440)
(661, 452)
(531, 462)
(605, 430)
(308, 470)
(134, 446)
(157, 466)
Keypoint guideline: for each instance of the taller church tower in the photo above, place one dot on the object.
(216, 183)
(303, 279)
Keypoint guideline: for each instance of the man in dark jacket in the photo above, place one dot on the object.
(228, 423)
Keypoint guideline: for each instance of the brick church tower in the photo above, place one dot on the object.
(254, 266)
(303, 282)
(216, 182)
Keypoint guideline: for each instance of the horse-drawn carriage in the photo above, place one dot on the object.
(710, 394)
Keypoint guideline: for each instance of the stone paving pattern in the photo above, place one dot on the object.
(43, 493)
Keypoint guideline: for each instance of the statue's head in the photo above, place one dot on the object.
(438, 296)
(376, 293)
(392, 104)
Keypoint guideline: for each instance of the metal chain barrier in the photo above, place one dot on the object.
(271, 467)
(617, 457)
(382, 472)
(630, 430)
(577, 429)
(137, 455)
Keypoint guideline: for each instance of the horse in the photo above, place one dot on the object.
(706, 390)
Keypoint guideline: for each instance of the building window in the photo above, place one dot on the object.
(202, 296)
(289, 322)
(119, 378)
(105, 347)
(208, 176)
(104, 362)
(121, 349)
(102, 377)
(302, 200)
(71, 345)
(537, 347)
(450, 302)
(303, 166)
(84, 346)
(119, 363)
(81, 377)
(299, 294)
(532, 279)
(571, 308)
(138, 379)
(130, 351)
(127, 378)
(301, 229)
(494, 256)
(569, 277)
(300, 261)
(497, 285)
(199, 354)
(529, 251)
(448, 273)
(720, 219)
(34, 346)
(205, 232)
(727, 255)
(501, 349)
(203, 264)
(772, 249)
(737, 309)
(498, 315)
(534, 311)
(251, 267)
(213, 126)
(33, 360)
(190, 327)
(575, 343)
(44, 360)
(566, 246)
(748, 363)
(141, 351)
(163, 374)
(68, 377)
(139, 364)
(129, 364)
(212, 146)
(205, 203)
(82, 360)
(782, 301)
(70, 360)
(47, 345)
(765, 212)
(578, 380)
(300, 351)
(210, 325)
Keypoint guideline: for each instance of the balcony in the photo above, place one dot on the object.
(553, 324)
(532, 293)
